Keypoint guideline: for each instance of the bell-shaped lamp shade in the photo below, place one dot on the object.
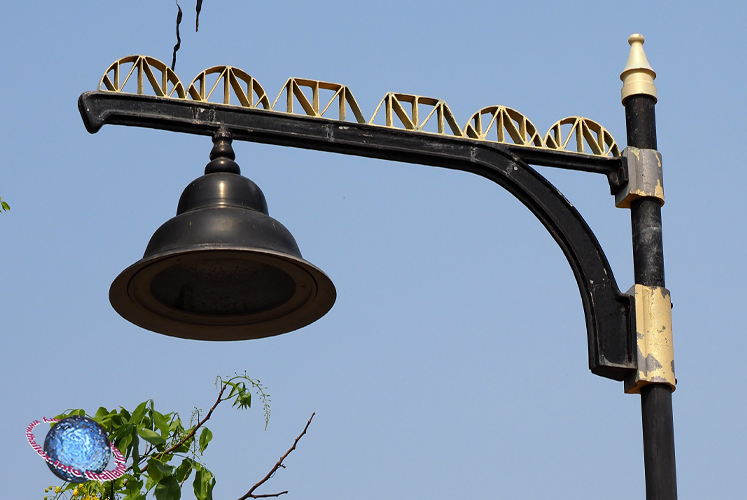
(222, 269)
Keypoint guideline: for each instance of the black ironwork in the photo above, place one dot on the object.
(607, 310)
(648, 267)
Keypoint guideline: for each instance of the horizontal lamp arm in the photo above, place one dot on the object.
(610, 325)
(272, 127)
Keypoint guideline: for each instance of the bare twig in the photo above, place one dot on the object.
(192, 432)
(144, 455)
(250, 493)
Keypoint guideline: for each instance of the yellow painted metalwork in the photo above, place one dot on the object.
(341, 93)
(638, 75)
(587, 133)
(645, 177)
(653, 317)
(166, 85)
(392, 103)
(250, 95)
(316, 98)
(503, 120)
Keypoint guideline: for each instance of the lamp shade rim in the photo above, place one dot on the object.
(310, 295)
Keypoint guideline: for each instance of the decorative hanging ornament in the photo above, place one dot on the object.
(77, 450)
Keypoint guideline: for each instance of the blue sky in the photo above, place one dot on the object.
(454, 361)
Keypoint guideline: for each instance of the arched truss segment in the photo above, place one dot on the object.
(439, 112)
(163, 81)
(246, 89)
(340, 93)
(506, 123)
(588, 133)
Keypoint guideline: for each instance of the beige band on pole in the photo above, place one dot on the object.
(655, 353)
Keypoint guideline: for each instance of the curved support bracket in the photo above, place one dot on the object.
(609, 322)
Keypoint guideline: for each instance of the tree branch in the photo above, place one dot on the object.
(192, 432)
(250, 493)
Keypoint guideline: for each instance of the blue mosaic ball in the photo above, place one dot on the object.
(78, 442)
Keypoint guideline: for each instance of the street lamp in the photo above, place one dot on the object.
(222, 269)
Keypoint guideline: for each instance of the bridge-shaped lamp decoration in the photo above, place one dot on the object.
(629, 334)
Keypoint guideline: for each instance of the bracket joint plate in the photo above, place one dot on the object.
(645, 178)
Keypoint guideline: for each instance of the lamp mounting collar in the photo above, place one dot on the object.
(222, 156)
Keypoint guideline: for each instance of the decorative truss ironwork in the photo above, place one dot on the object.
(250, 94)
(234, 87)
(497, 143)
(143, 66)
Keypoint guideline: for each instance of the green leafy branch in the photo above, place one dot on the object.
(242, 395)
(166, 440)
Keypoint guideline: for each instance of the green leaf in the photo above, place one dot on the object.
(104, 418)
(234, 389)
(124, 444)
(138, 414)
(210, 486)
(183, 448)
(121, 483)
(124, 414)
(162, 423)
(150, 483)
(244, 400)
(176, 425)
(205, 436)
(168, 489)
(179, 434)
(122, 438)
(157, 470)
(135, 446)
(197, 485)
(203, 484)
(130, 485)
(5, 206)
(68, 413)
(183, 472)
(151, 436)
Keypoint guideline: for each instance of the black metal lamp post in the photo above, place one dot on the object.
(222, 269)
(648, 267)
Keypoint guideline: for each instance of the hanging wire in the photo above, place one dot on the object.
(178, 38)
(197, 19)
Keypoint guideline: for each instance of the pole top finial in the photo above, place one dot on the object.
(636, 37)
(638, 75)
